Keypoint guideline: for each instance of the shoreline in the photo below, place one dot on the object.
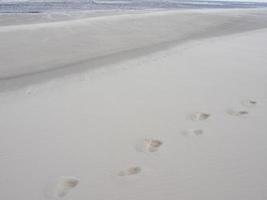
(57, 45)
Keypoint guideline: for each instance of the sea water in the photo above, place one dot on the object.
(42, 6)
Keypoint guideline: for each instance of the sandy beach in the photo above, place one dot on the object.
(153, 105)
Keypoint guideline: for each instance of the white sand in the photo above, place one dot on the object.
(86, 131)
(31, 48)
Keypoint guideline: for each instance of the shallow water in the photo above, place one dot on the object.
(85, 5)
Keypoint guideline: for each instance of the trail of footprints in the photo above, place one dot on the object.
(149, 145)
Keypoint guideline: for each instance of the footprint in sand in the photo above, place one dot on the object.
(29, 90)
(149, 145)
(238, 113)
(130, 171)
(249, 103)
(61, 188)
(199, 116)
(191, 132)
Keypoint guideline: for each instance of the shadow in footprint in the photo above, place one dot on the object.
(238, 113)
(148, 145)
(130, 171)
(61, 187)
(193, 132)
(249, 103)
(199, 116)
